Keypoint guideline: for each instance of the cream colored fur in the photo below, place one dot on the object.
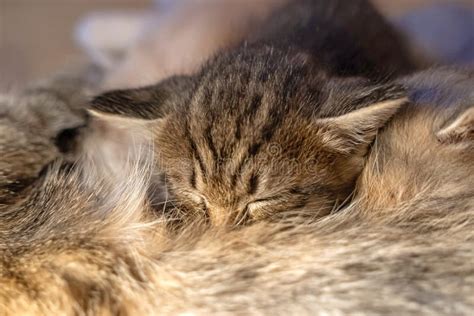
(404, 246)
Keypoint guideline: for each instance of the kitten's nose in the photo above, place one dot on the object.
(221, 216)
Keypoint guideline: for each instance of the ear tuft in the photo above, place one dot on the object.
(462, 129)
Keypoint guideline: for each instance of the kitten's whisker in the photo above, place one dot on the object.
(164, 202)
(241, 216)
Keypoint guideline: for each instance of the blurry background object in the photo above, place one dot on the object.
(37, 36)
(445, 31)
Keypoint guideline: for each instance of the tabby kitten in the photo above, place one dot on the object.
(266, 129)
(38, 126)
(81, 248)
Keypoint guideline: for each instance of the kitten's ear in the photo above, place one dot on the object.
(460, 130)
(353, 132)
(147, 103)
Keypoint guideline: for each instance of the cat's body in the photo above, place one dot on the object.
(271, 125)
(440, 127)
(82, 247)
(77, 243)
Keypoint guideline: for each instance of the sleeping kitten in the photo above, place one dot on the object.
(267, 127)
(76, 248)
(38, 126)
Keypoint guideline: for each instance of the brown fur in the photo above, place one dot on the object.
(442, 135)
(272, 124)
(39, 125)
(237, 148)
(76, 245)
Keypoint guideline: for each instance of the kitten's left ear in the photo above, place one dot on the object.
(147, 103)
(353, 132)
(460, 130)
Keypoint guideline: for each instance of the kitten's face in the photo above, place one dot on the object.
(235, 168)
(252, 157)
(37, 127)
(253, 137)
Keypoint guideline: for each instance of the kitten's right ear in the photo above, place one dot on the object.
(147, 103)
(367, 112)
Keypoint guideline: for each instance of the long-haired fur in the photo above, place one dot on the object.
(80, 244)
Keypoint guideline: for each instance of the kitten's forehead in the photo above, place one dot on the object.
(247, 129)
(234, 82)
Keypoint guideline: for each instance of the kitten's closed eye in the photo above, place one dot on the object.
(261, 208)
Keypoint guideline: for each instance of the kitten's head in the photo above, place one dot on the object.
(258, 134)
(37, 126)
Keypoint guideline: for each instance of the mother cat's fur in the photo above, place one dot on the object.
(74, 254)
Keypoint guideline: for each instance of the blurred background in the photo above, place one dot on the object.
(36, 36)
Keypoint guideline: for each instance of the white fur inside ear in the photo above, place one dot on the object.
(370, 118)
(358, 128)
(460, 130)
(120, 120)
(107, 36)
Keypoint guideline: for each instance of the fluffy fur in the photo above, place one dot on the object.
(78, 246)
(267, 127)
(39, 125)
(85, 239)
